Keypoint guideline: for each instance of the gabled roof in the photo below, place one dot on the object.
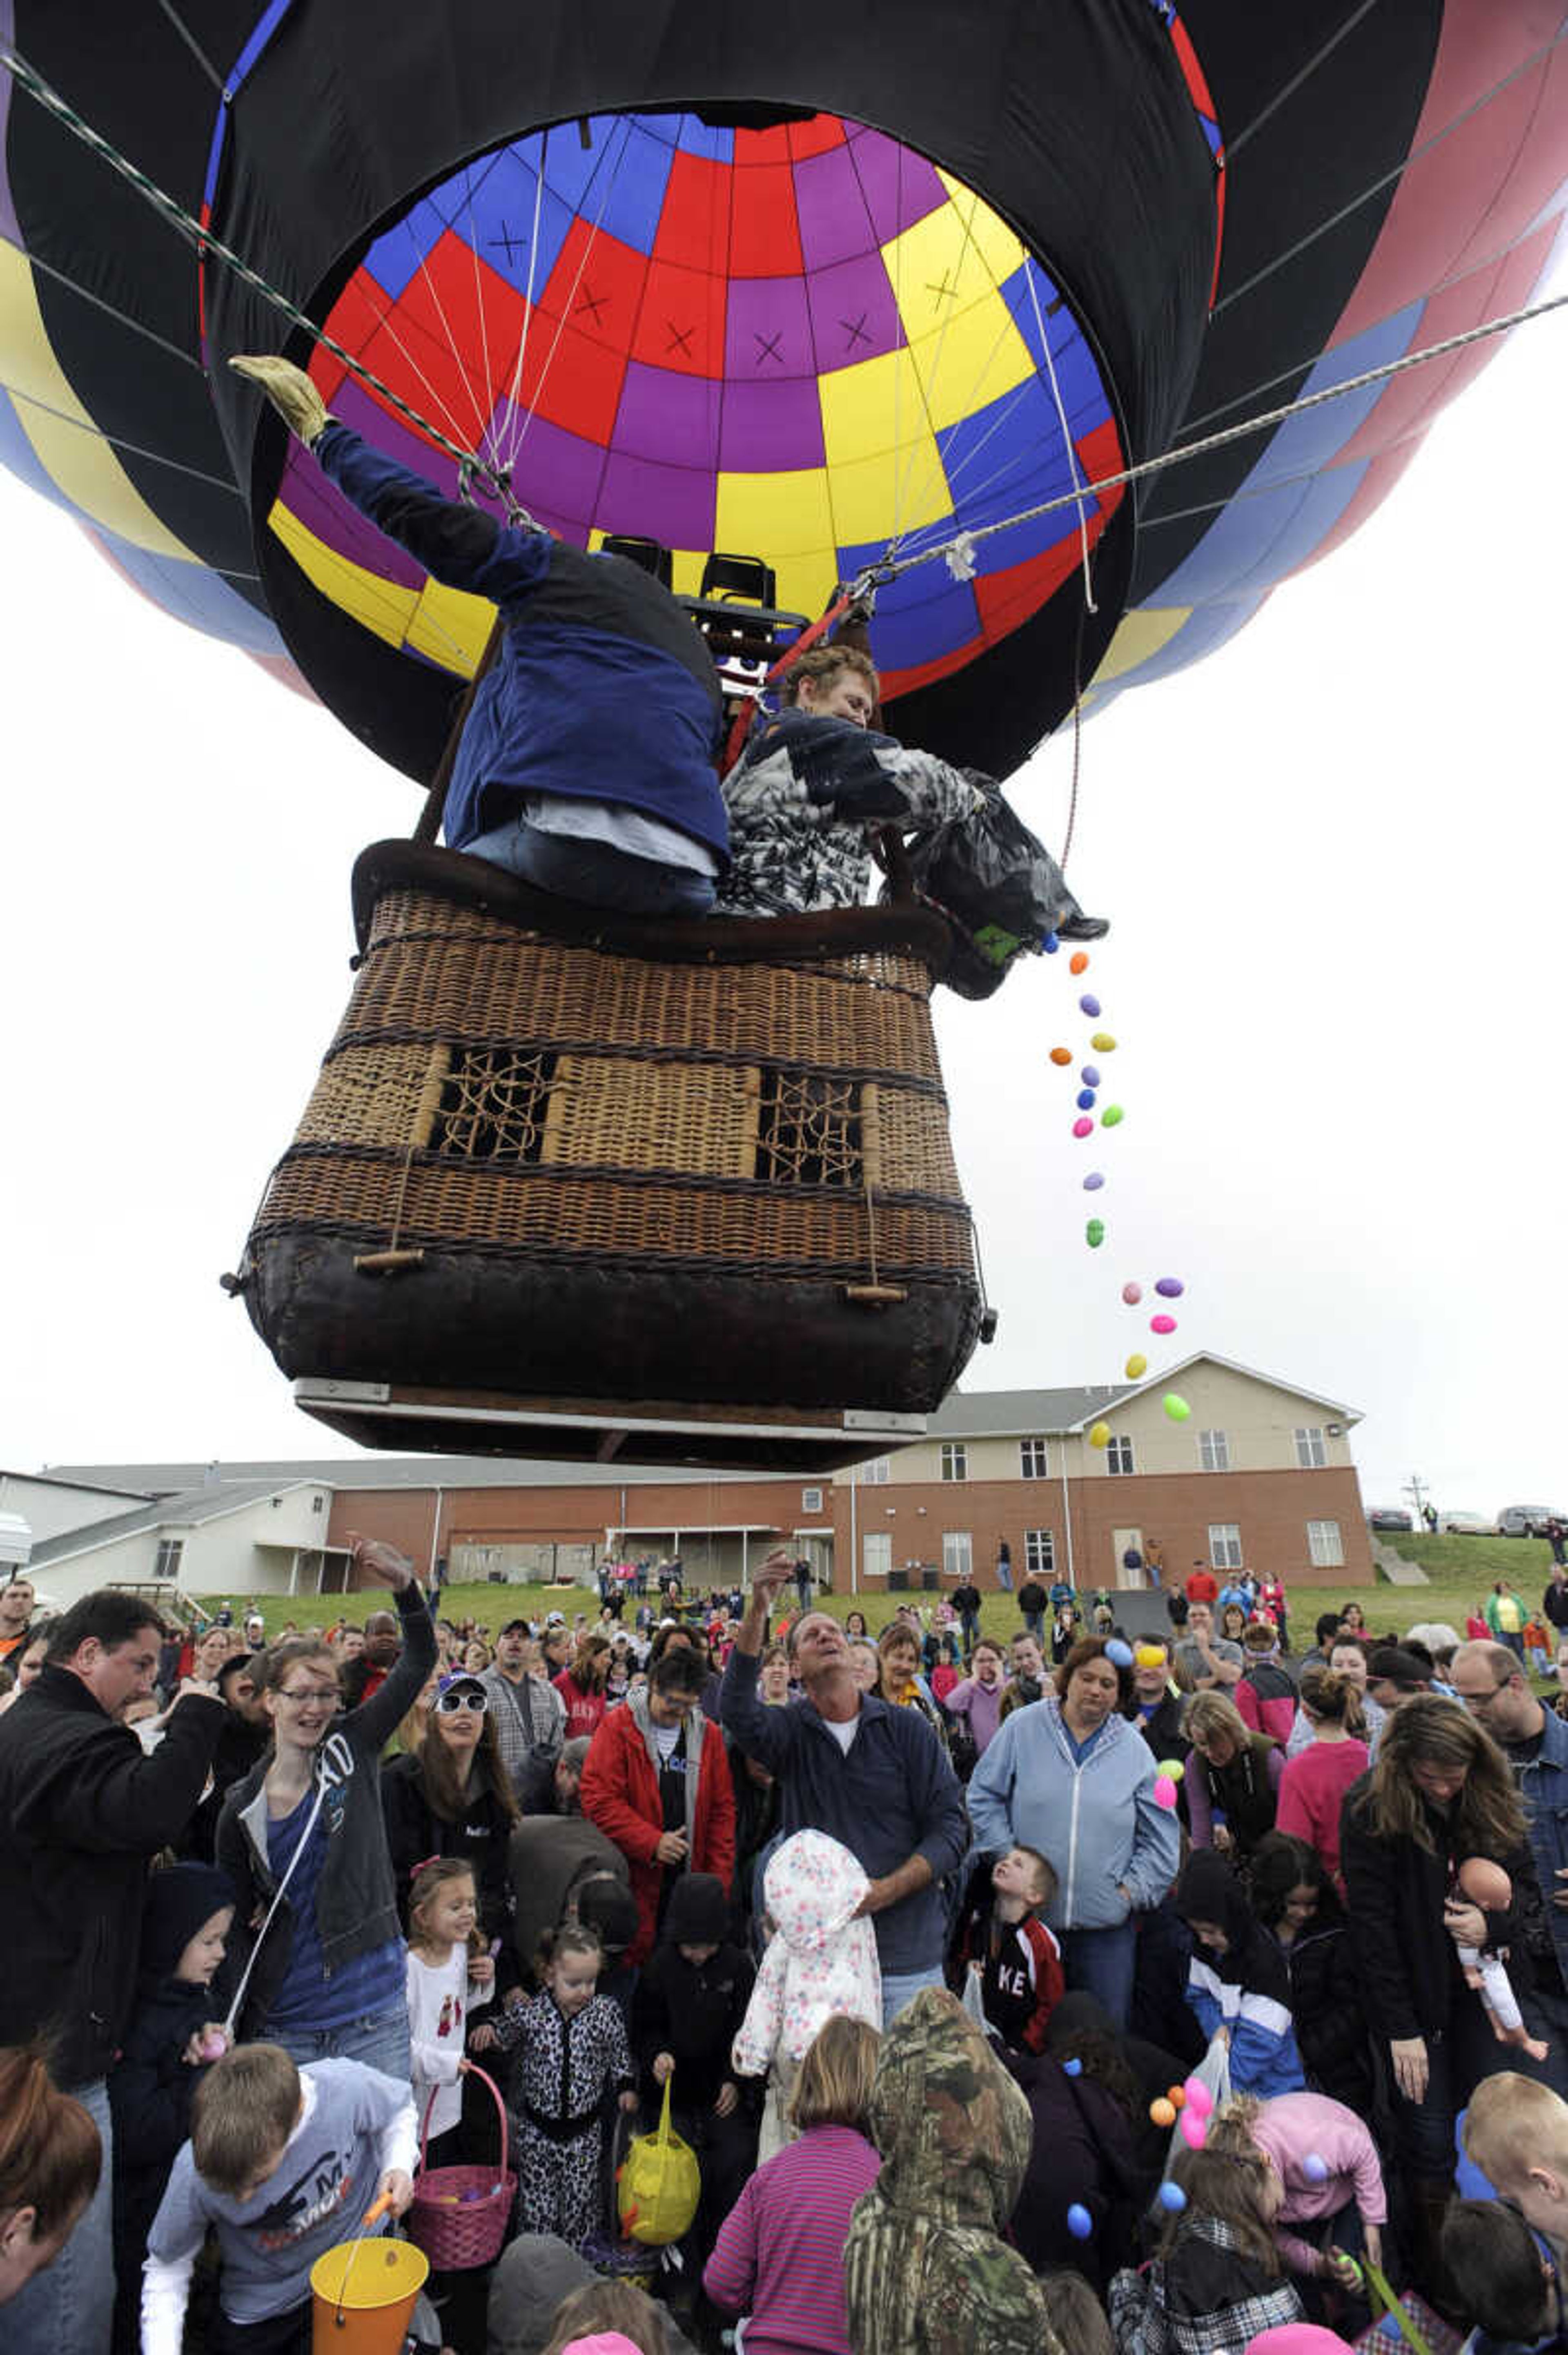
(1021, 1414)
(187, 1509)
(59, 1480)
(375, 1471)
(1170, 1374)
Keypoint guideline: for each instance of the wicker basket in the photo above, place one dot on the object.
(701, 1163)
(459, 2214)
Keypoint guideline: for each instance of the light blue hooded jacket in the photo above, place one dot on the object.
(1097, 1822)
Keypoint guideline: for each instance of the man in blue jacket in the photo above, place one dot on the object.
(1497, 1692)
(873, 1777)
(588, 759)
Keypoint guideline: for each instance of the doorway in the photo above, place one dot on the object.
(1123, 1542)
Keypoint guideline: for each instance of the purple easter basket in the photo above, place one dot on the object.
(460, 2214)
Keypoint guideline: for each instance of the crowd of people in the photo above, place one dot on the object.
(1148, 1988)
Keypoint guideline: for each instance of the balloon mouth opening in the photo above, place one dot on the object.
(743, 331)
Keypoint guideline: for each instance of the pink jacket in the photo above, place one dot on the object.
(1295, 2127)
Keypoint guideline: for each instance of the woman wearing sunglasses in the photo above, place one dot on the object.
(301, 1836)
(452, 1798)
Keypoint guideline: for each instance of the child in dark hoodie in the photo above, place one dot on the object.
(185, 1925)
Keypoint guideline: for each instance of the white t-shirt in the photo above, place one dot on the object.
(439, 1999)
(843, 1735)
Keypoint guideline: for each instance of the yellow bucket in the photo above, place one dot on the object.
(362, 2297)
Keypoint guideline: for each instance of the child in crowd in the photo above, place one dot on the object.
(1516, 2132)
(1331, 2183)
(1302, 1911)
(822, 1958)
(1016, 1959)
(443, 1914)
(1314, 1782)
(1237, 1981)
(1498, 2276)
(1217, 2282)
(172, 2040)
(691, 2000)
(283, 2163)
(571, 2047)
(1266, 1694)
(1486, 1884)
(1537, 1646)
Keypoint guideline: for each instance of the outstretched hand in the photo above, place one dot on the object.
(288, 389)
(380, 1561)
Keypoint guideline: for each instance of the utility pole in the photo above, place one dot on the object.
(1416, 1489)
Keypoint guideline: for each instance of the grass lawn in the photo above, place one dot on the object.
(1461, 1571)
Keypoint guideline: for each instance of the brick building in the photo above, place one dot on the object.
(1259, 1475)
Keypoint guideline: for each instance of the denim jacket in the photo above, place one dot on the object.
(1543, 1787)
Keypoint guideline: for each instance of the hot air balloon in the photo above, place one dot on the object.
(831, 299)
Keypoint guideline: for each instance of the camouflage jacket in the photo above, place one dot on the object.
(925, 2270)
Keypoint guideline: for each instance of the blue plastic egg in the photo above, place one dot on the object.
(1171, 2198)
(1079, 2223)
(1073, 2068)
(1085, 1099)
(1050, 945)
(1090, 1075)
(1120, 1654)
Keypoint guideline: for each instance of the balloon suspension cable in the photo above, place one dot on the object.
(496, 480)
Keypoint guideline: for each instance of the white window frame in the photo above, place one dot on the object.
(877, 1553)
(1311, 1447)
(1033, 1460)
(1119, 1456)
(1225, 1546)
(877, 1471)
(954, 1460)
(811, 1500)
(1213, 1451)
(957, 1553)
(1040, 1554)
(1326, 1545)
(166, 1559)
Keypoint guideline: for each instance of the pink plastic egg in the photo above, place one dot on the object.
(1084, 1126)
(1163, 1791)
(1132, 1294)
(1198, 2098)
(1162, 1324)
(1194, 2130)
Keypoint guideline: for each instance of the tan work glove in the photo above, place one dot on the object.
(290, 390)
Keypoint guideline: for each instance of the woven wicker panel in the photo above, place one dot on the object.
(495, 1105)
(377, 1095)
(460, 978)
(700, 1117)
(547, 1211)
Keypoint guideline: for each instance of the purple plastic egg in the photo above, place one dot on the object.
(1088, 1004)
(1083, 1127)
(1094, 1180)
(1162, 1324)
(1171, 1288)
(1090, 1075)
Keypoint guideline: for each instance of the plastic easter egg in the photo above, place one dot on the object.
(1113, 1116)
(1099, 1435)
(1176, 1406)
(1078, 961)
(1085, 1099)
(1169, 1287)
(214, 2045)
(1132, 1294)
(1149, 1656)
(1073, 2068)
(1162, 2113)
(1164, 1792)
(1103, 1044)
(1314, 2167)
(1177, 2096)
(1095, 1234)
(1094, 1180)
(1089, 1005)
(1162, 1324)
(1061, 1056)
(1090, 1075)
(1172, 1768)
(1120, 1654)
(1079, 2223)
(1050, 945)
(1194, 2130)
(1135, 1366)
(1083, 1126)
(1171, 2198)
(1199, 2097)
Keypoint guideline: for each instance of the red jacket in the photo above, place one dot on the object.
(1202, 1586)
(621, 1794)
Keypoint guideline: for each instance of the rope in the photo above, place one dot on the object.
(193, 45)
(137, 450)
(515, 392)
(203, 242)
(1068, 445)
(1234, 146)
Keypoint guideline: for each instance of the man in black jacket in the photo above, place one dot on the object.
(966, 1602)
(1032, 1600)
(82, 1808)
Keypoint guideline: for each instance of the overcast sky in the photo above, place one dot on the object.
(1336, 857)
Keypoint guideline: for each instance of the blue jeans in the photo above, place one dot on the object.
(900, 1988)
(1102, 1963)
(381, 2041)
(577, 867)
(70, 2308)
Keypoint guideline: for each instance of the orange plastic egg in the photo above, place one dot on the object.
(1079, 964)
(1163, 2113)
(1061, 1055)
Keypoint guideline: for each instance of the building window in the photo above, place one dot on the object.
(317, 1503)
(1119, 1456)
(1213, 1451)
(811, 1500)
(1224, 1546)
(877, 1554)
(1325, 1545)
(1311, 1453)
(167, 1561)
(877, 1473)
(957, 1553)
(1040, 1554)
(954, 1460)
(1031, 1459)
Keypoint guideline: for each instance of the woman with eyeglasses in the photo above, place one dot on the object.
(302, 1839)
(452, 1798)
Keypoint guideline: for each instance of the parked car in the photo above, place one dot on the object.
(1388, 1516)
(1466, 1525)
(1524, 1520)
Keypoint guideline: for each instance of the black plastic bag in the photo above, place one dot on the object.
(998, 882)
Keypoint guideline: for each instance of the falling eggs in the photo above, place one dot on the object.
(1095, 1234)
(1085, 1099)
(1094, 1180)
(1132, 1294)
(1082, 1125)
(1120, 1654)
(1113, 1116)
(1171, 1288)
(1099, 1435)
(1176, 1406)
(1062, 1056)
(1090, 1075)
(1077, 962)
(1103, 1044)
(1090, 1006)
(1164, 1792)
(1171, 2198)
(1079, 2223)
(1135, 1366)
(1162, 1324)
(1162, 2113)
